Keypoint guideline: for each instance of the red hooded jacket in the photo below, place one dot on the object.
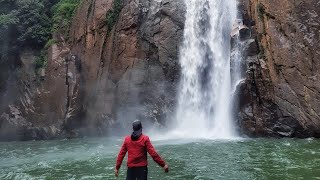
(137, 152)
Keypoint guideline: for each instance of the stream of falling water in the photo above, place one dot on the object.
(204, 109)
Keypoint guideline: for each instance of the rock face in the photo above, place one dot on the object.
(121, 63)
(281, 95)
(37, 110)
(128, 70)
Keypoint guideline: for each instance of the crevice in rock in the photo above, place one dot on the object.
(92, 4)
(102, 57)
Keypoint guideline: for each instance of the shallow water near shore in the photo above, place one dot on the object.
(94, 158)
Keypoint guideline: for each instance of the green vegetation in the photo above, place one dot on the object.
(30, 24)
(8, 19)
(261, 11)
(262, 14)
(261, 54)
(34, 21)
(113, 14)
(41, 60)
(49, 43)
(63, 12)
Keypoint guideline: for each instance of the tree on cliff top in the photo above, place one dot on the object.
(33, 21)
(30, 23)
(63, 12)
(26, 23)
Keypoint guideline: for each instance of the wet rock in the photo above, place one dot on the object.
(12, 124)
(279, 78)
(252, 48)
(131, 69)
(15, 127)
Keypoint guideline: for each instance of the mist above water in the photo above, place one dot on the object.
(204, 94)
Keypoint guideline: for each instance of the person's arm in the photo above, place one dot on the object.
(121, 155)
(155, 156)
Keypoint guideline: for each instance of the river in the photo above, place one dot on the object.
(94, 158)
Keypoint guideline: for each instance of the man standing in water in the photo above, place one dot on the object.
(137, 146)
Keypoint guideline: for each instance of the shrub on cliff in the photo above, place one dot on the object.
(63, 12)
(29, 23)
(113, 14)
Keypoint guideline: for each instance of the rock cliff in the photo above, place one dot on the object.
(281, 93)
(119, 63)
(129, 68)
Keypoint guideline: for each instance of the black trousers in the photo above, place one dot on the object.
(137, 173)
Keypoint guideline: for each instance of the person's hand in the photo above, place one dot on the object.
(166, 168)
(116, 172)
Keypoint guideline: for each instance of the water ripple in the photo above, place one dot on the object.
(202, 159)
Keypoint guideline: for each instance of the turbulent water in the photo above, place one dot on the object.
(95, 159)
(205, 87)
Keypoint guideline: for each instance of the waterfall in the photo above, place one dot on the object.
(204, 94)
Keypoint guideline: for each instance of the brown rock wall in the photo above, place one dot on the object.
(288, 35)
(129, 71)
(41, 102)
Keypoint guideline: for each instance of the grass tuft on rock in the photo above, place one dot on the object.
(112, 15)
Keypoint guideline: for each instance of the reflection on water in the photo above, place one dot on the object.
(200, 159)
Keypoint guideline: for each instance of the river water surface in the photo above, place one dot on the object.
(94, 158)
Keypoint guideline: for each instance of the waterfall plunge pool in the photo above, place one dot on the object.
(94, 158)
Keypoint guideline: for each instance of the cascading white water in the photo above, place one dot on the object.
(204, 98)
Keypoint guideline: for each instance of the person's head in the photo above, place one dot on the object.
(137, 130)
(136, 125)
